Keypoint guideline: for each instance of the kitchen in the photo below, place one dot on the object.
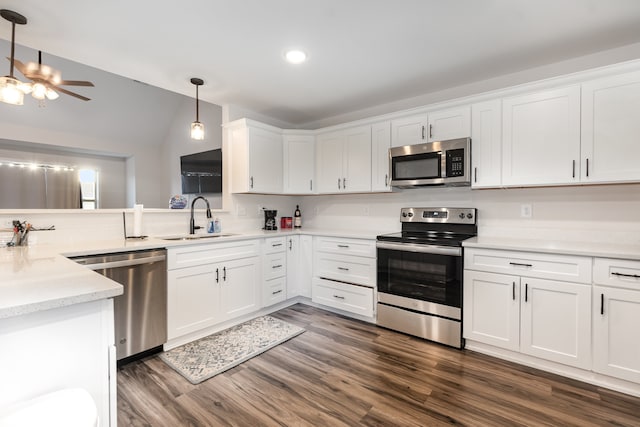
(604, 215)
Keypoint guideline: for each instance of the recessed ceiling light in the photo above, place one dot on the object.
(295, 56)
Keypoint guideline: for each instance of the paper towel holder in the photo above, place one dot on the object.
(124, 228)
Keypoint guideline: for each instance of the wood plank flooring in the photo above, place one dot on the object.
(342, 372)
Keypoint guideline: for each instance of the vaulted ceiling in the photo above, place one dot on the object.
(361, 53)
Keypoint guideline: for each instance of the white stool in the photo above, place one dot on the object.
(71, 407)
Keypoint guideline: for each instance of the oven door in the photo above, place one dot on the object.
(421, 277)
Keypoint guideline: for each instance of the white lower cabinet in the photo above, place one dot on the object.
(540, 317)
(344, 275)
(616, 316)
(275, 270)
(209, 284)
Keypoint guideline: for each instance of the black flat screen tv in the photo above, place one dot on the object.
(202, 172)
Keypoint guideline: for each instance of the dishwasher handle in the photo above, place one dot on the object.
(123, 263)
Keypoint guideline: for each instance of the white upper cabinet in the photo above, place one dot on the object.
(380, 144)
(256, 158)
(486, 144)
(449, 124)
(299, 164)
(344, 161)
(611, 129)
(541, 138)
(409, 130)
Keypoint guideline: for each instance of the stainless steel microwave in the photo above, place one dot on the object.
(435, 163)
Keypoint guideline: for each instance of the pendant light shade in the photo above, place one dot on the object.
(197, 128)
(12, 90)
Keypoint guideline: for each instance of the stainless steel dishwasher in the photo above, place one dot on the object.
(141, 311)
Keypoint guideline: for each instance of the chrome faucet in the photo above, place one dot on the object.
(192, 224)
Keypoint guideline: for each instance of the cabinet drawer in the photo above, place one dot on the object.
(351, 269)
(189, 256)
(274, 291)
(275, 265)
(544, 266)
(274, 244)
(358, 247)
(619, 273)
(351, 298)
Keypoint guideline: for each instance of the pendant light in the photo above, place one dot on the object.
(12, 90)
(197, 128)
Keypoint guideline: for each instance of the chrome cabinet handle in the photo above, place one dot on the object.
(475, 174)
(386, 179)
(276, 292)
(430, 131)
(574, 169)
(310, 185)
(277, 266)
(251, 182)
(290, 244)
(338, 296)
(422, 132)
(217, 275)
(224, 273)
(338, 183)
(521, 265)
(343, 246)
(273, 245)
(635, 276)
(343, 268)
(344, 183)
(602, 304)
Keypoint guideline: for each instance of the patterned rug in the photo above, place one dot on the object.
(202, 359)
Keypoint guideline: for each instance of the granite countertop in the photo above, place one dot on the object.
(41, 277)
(591, 249)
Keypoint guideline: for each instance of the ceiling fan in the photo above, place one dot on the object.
(47, 80)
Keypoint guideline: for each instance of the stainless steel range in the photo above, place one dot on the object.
(420, 273)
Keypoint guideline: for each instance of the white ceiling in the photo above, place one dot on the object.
(362, 53)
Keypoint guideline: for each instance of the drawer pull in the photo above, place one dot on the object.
(343, 268)
(635, 276)
(273, 245)
(276, 292)
(277, 266)
(602, 304)
(290, 243)
(521, 264)
(343, 246)
(338, 297)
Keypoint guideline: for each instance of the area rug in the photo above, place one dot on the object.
(213, 354)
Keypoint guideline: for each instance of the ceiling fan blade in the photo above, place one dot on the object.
(75, 83)
(67, 92)
(19, 65)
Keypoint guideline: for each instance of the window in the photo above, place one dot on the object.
(89, 188)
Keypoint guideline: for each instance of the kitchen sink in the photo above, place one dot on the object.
(196, 236)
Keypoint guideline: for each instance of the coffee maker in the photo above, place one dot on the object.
(270, 219)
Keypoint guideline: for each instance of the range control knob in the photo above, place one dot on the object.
(410, 214)
(469, 215)
(404, 214)
(461, 215)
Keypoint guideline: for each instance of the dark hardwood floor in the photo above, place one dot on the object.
(343, 372)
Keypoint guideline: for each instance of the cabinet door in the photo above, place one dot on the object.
(305, 266)
(299, 164)
(192, 299)
(486, 144)
(616, 316)
(556, 321)
(409, 130)
(610, 129)
(492, 309)
(357, 160)
(541, 138)
(449, 124)
(265, 161)
(329, 163)
(380, 144)
(239, 287)
(293, 267)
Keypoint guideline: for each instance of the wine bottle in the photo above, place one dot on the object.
(297, 218)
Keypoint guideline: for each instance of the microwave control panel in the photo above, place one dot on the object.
(455, 162)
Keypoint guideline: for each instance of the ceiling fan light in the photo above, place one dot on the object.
(26, 87)
(10, 91)
(52, 94)
(39, 91)
(197, 131)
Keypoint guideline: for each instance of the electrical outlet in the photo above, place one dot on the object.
(526, 211)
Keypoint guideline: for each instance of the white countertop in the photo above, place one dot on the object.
(41, 277)
(591, 249)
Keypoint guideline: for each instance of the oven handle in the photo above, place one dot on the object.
(425, 249)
